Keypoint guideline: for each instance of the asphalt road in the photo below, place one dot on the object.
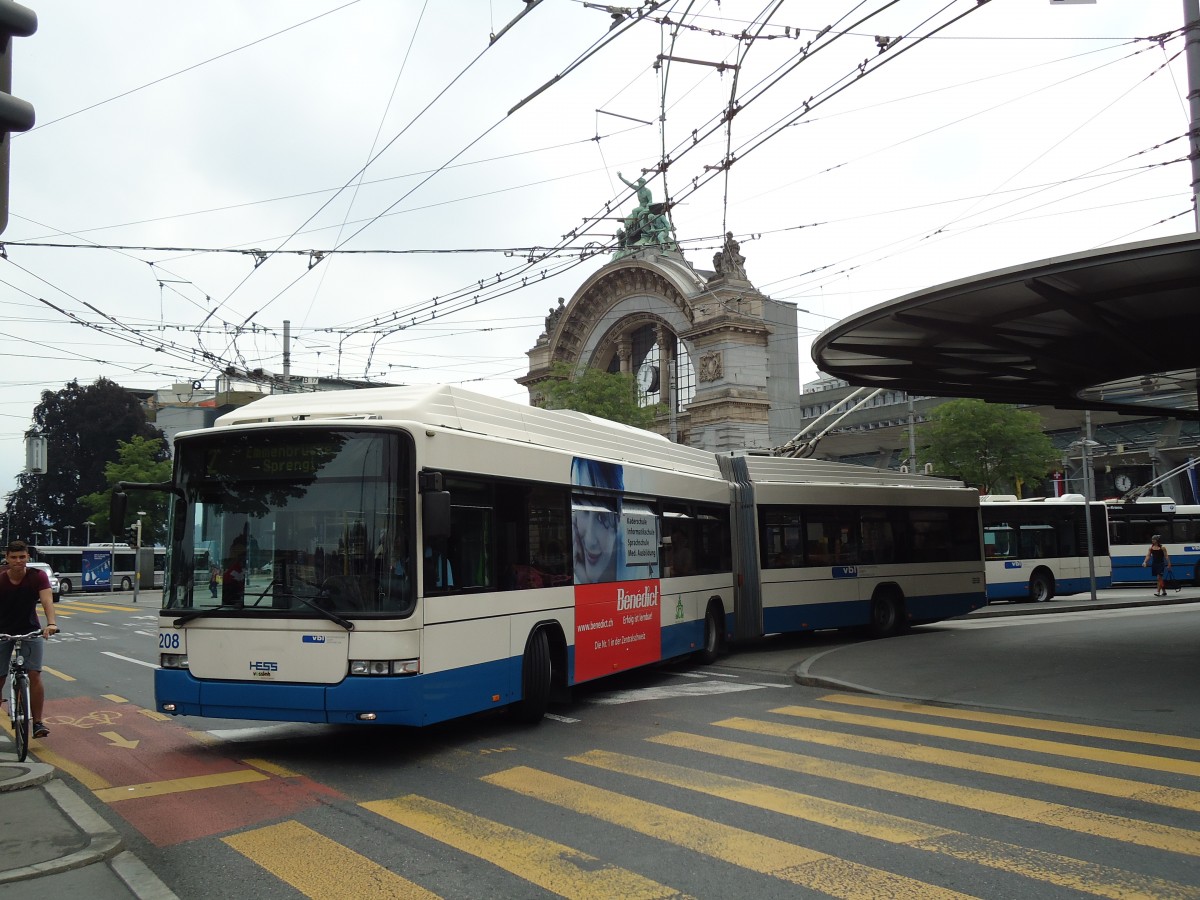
(1050, 759)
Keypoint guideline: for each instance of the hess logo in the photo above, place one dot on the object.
(263, 667)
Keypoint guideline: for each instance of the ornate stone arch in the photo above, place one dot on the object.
(710, 333)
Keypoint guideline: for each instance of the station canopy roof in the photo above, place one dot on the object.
(1115, 329)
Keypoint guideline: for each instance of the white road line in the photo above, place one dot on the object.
(668, 691)
(566, 719)
(145, 633)
(148, 665)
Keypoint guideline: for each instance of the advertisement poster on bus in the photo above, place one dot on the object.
(618, 619)
(97, 569)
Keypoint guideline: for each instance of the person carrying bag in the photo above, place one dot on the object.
(1160, 564)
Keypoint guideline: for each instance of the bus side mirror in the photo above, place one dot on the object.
(435, 514)
(116, 512)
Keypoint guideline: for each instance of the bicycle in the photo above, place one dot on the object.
(19, 704)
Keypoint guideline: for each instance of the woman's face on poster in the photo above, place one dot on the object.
(595, 546)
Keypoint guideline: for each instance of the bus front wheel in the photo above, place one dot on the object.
(1041, 588)
(536, 673)
(64, 585)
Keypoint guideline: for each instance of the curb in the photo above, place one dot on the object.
(103, 840)
(33, 773)
(1073, 605)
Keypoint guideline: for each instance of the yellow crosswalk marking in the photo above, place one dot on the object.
(1057, 815)
(178, 785)
(77, 607)
(264, 765)
(319, 867)
(759, 853)
(1012, 742)
(555, 867)
(1107, 785)
(1100, 880)
(968, 715)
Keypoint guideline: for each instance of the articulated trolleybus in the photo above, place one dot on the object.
(1037, 549)
(409, 555)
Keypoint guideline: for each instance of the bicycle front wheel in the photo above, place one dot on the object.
(21, 715)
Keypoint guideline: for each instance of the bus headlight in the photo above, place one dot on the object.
(173, 660)
(385, 666)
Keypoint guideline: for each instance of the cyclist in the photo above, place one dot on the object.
(21, 588)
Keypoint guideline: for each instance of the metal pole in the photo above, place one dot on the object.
(137, 559)
(912, 436)
(1087, 498)
(1191, 50)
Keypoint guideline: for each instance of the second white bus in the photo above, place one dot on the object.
(1037, 549)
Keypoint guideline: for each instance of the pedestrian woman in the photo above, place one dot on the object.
(1160, 564)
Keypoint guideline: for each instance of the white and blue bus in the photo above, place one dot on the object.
(409, 555)
(1131, 525)
(1037, 549)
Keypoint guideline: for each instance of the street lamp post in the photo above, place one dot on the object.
(68, 529)
(88, 539)
(137, 557)
(50, 535)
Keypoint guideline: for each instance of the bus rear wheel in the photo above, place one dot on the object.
(536, 674)
(64, 585)
(126, 583)
(1041, 588)
(714, 634)
(887, 615)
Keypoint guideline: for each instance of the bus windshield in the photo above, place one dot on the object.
(307, 521)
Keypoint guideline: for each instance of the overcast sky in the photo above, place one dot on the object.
(170, 134)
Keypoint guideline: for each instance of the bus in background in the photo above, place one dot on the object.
(1037, 549)
(116, 561)
(1132, 525)
(410, 555)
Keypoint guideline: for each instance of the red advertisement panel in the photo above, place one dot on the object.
(617, 627)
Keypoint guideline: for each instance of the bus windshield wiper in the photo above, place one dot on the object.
(331, 616)
(201, 613)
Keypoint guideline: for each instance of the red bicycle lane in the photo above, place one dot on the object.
(161, 779)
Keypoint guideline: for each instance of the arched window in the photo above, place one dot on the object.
(646, 363)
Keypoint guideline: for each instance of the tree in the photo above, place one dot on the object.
(988, 445)
(137, 460)
(82, 426)
(609, 395)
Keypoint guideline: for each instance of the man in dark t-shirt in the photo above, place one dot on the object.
(21, 589)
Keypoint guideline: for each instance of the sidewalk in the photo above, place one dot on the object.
(49, 833)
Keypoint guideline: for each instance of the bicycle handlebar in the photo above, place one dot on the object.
(21, 637)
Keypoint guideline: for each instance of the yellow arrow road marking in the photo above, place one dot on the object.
(118, 741)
